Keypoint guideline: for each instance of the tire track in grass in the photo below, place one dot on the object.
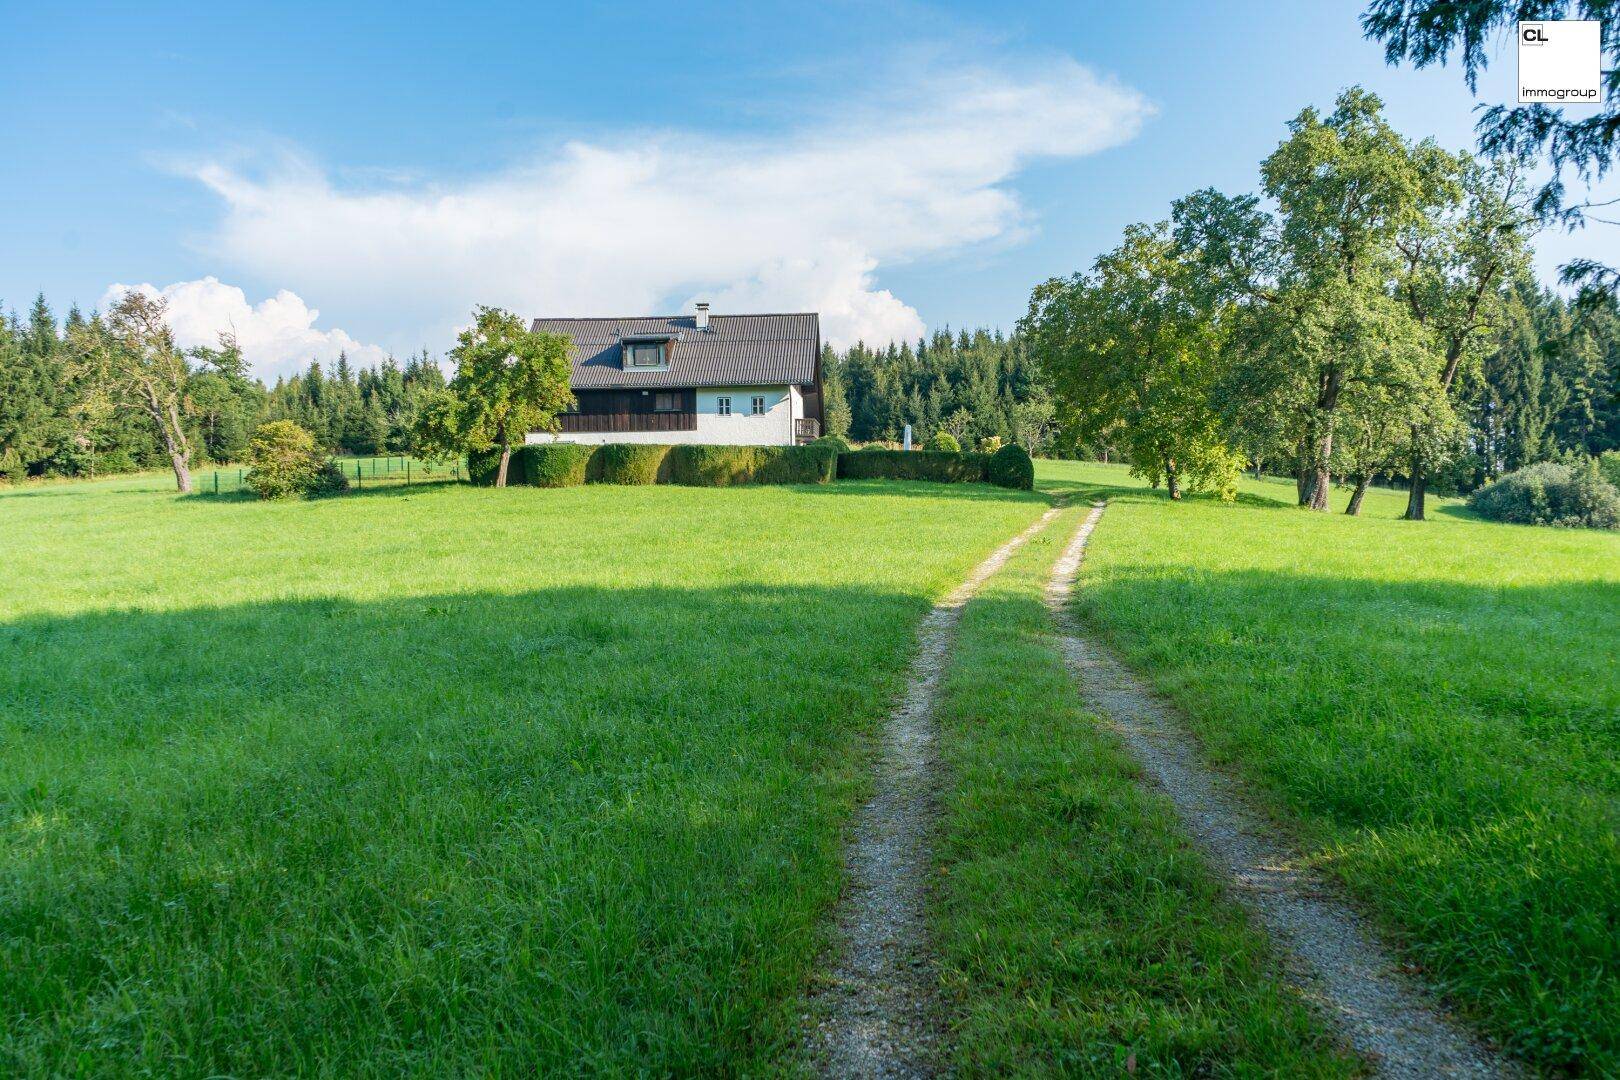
(1384, 1015)
(877, 1014)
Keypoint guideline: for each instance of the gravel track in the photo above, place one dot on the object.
(1329, 952)
(877, 1014)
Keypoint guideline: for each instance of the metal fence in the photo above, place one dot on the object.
(361, 472)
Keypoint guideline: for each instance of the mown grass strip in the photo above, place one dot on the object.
(1078, 932)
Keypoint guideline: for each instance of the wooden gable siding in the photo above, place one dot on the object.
(630, 410)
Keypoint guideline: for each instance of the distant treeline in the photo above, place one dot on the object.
(973, 384)
(1548, 384)
(54, 420)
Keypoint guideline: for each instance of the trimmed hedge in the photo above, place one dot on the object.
(724, 466)
(628, 463)
(482, 465)
(946, 468)
(1011, 467)
(557, 464)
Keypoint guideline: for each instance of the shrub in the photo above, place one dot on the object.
(558, 464)
(1609, 466)
(116, 461)
(1011, 467)
(482, 465)
(989, 444)
(814, 463)
(13, 470)
(943, 442)
(880, 464)
(724, 466)
(1551, 493)
(839, 444)
(628, 463)
(285, 463)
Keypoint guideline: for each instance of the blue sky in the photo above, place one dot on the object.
(895, 166)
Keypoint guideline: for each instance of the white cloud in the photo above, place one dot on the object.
(645, 223)
(277, 336)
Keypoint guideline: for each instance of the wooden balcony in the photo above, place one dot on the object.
(806, 429)
(577, 423)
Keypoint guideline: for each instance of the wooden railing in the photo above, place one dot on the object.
(806, 429)
(611, 422)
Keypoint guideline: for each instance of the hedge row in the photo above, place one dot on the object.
(572, 464)
(1008, 467)
(938, 465)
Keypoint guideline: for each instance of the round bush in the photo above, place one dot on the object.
(943, 442)
(1551, 493)
(1011, 467)
(286, 463)
(839, 444)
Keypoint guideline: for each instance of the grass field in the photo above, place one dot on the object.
(1435, 707)
(441, 780)
(444, 780)
(1078, 931)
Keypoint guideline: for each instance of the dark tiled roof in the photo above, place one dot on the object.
(736, 350)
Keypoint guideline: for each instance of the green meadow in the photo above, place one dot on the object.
(1434, 707)
(437, 779)
(441, 780)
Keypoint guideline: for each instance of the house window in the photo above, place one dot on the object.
(666, 403)
(722, 404)
(759, 405)
(644, 353)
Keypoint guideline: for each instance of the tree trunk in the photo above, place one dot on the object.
(1415, 497)
(182, 472)
(173, 431)
(1355, 497)
(506, 459)
(1420, 483)
(1172, 481)
(1316, 479)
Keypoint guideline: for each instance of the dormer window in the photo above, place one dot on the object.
(644, 354)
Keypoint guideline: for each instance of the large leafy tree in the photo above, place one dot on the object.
(509, 381)
(1580, 143)
(1312, 288)
(1458, 262)
(1132, 354)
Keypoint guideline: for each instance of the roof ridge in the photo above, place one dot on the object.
(712, 316)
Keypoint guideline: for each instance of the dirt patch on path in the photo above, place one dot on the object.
(877, 1014)
(1330, 953)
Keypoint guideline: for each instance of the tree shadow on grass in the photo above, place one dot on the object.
(517, 831)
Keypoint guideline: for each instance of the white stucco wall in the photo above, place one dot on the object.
(783, 405)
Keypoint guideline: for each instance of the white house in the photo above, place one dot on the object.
(731, 379)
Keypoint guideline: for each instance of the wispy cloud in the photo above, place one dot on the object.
(648, 221)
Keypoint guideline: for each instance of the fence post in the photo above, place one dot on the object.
(216, 481)
(238, 477)
(407, 470)
(359, 479)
